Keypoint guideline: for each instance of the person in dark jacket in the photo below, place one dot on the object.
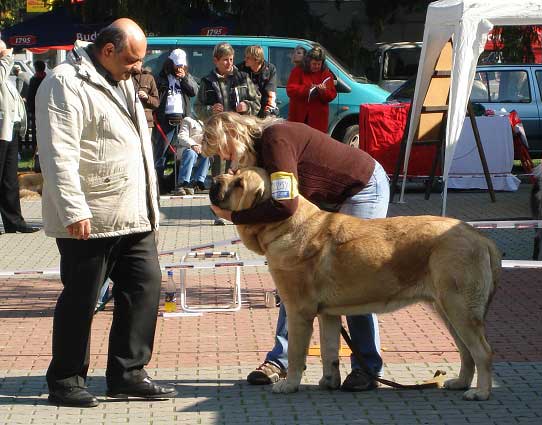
(147, 91)
(35, 82)
(225, 89)
(264, 75)
(311, 163)
(33, 85)
(175, 87)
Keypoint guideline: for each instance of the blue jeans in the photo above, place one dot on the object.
(188, 159)
(371, 202)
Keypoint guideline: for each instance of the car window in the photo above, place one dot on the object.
(502, 87)
(539, 81)
(200, 58)
(401, 64)
(480, 91)
(281, 57)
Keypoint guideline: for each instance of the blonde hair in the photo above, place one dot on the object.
(223, 49)
(244, 130)
(255, 52)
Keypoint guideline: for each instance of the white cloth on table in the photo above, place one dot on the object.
(466, 170)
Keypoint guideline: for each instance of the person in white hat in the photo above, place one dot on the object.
(175, 88)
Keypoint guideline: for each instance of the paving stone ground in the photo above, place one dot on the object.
(208, 357)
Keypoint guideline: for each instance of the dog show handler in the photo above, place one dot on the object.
(303, 160)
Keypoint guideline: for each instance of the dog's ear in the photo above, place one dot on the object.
(258, 196)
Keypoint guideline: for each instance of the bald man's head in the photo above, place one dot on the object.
(120, 48)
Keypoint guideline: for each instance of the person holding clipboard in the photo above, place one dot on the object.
(310, 88)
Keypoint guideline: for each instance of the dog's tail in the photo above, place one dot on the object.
(495, 263)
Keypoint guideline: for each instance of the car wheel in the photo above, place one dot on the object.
(351, 136)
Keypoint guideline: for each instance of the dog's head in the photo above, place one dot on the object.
(242, 190)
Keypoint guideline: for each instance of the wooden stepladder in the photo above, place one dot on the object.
(431, 129)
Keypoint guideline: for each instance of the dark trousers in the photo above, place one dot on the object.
(10, 204)
(131, 262)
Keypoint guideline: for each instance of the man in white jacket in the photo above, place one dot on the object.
(100, 203)
(12, 126)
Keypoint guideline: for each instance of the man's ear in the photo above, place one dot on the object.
(108, 50)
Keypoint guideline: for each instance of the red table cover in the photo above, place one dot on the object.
(381, 128)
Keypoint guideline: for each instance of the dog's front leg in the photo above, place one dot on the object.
(299, 335)
(329, 348)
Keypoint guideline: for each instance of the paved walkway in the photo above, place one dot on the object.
(208, 357)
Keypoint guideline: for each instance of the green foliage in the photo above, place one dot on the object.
(10, 12)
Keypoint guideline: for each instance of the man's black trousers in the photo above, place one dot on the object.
(131, 261)
(10, 204)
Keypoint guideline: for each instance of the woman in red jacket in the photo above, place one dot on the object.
(310, 89)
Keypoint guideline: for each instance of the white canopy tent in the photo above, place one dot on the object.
(466, 23)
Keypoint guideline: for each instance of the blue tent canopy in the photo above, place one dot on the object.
(55, 28)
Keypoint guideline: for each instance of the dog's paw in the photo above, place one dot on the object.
(456, 384)
(476, 394)
(285, 387)
(330, 382)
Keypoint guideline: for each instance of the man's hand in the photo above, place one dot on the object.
(225, 214)
(5, 52)
(242, 107)
(142, 95)
(196, 148)
(217, 108)
(80, 229)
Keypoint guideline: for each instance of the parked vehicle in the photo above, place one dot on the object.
(396, 63)
(352, 91)
(508, 87)
(25, 66)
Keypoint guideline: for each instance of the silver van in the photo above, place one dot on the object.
(396, 63)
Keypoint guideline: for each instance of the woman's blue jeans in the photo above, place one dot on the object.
(371, 202)
(188, 159)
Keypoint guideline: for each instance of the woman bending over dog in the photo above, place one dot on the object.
(303, 160)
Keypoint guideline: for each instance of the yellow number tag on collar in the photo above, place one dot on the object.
(283, 186)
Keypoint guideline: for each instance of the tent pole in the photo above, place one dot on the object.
(403, 185)
(477, 139)
(444, 198)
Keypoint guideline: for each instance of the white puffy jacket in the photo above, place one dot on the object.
(95, 153)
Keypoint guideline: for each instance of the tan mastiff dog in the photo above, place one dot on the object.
(329, 264)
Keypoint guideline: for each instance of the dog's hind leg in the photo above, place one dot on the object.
(299, 335)
(329, 348)
(471, 331)
(466, 373)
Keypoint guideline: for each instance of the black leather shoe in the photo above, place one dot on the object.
(143, 389)
(24, 228)
(73, 397)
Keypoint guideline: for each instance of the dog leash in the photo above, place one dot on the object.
(436, 382)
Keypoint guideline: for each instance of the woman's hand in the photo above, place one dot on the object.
(225, 214)
(321, 87)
